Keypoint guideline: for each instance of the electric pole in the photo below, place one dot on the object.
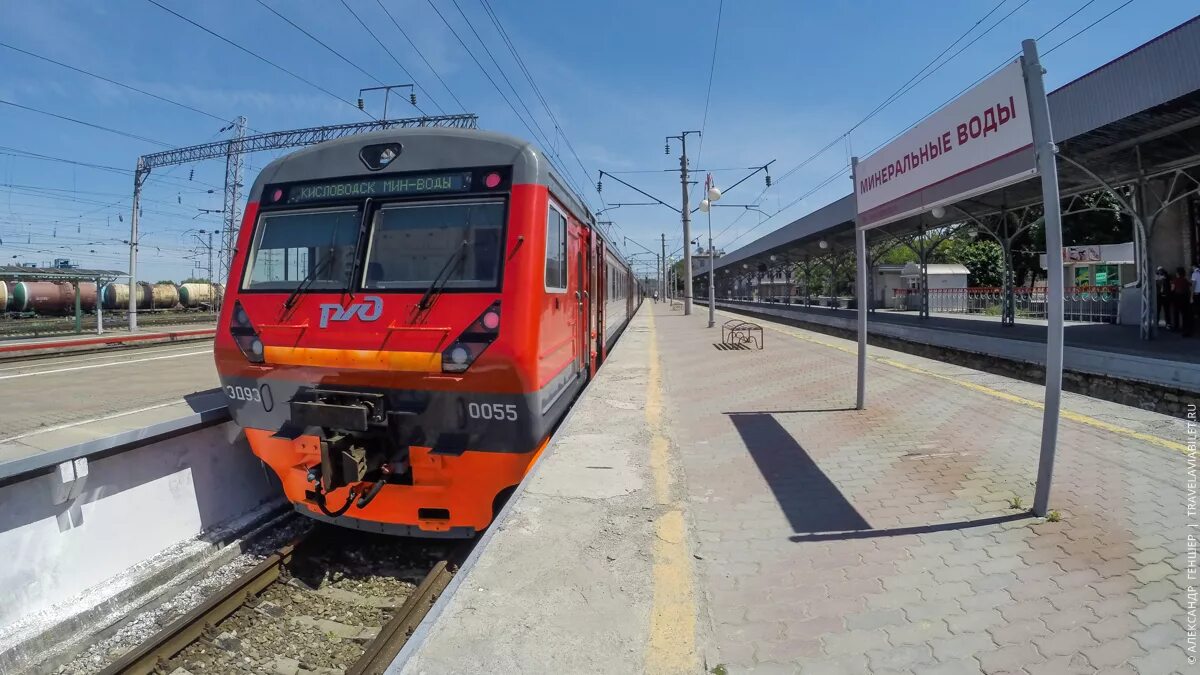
(233, 195)
(685, 212)
(662, 263)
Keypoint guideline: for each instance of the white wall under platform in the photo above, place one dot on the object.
(84, 525)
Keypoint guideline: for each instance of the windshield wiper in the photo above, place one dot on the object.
(307, 280)
(442, 278)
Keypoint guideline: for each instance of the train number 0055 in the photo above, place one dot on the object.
(492, 411)
(242, 393)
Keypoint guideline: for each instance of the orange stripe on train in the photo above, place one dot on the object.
(355, 359)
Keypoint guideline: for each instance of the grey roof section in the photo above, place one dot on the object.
(56, 273)
(424, 149)
(1158, 72)
(827, 217)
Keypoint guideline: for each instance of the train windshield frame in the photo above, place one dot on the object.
(295, 245)
(434, 211)
(459, 241)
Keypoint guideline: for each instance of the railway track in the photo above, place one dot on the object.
(113, 322)
(331, 601)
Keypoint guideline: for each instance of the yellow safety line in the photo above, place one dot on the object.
(1002, 395)
(671, 647)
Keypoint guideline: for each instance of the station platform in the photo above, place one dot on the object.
(1098, 358)
(72, 402)
(729, 511)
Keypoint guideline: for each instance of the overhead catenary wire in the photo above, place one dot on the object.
(551, 156)
(909, 87)
(85, 123)
(115, 82)
(481, 68)
(26, 154)
(256, 55)
(318, 40)
(416, 49)
(395, 60)
(512, 48)
(499, 68)
(712, 67)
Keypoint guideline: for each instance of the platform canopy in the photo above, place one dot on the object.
(1138, 115)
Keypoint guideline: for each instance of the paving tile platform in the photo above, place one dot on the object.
(708, 507)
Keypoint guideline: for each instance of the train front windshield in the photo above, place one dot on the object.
(411, 245)
(407, 247)
(293, 246)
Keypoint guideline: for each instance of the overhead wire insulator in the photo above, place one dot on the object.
(412, 98)
(768, 180)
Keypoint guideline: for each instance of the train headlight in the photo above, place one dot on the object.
(474, 340)
(376, 157)
(245, 335)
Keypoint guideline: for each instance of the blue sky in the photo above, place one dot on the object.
(619, 76)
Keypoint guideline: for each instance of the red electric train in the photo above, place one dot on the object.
(408, 316)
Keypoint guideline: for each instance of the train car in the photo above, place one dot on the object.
(409, 315)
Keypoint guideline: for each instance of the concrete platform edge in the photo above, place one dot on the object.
(212, 410)
(421, 634)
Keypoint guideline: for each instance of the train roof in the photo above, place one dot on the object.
(424, 149)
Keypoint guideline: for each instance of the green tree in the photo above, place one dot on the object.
(983, 257)
(898, 255)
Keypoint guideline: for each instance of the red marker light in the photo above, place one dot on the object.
(277, 196)
(491, 321)
(492, 180)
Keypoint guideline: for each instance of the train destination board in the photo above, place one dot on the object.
(372, 187)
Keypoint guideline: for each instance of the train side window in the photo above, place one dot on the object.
(556, 250)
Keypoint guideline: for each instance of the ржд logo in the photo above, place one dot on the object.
(369, 309)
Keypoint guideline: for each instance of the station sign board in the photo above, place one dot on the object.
(981, 141)
(1073, 254)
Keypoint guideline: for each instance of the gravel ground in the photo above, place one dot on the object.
(340, 589)
(140, 627)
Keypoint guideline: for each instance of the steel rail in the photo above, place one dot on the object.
(384, 648)
(191, 626)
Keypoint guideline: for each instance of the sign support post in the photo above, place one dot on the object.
(1043, 141)
(860, 257)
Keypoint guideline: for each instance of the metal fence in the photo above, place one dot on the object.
(1095, 304)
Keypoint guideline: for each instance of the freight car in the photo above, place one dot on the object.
(409, 315)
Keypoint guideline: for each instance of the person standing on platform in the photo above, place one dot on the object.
(1195, 293)
(1181, 301)
(1162, 292)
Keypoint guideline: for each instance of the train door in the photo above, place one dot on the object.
(600, 301)
(583, 345)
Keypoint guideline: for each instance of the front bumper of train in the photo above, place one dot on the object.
(451, 495)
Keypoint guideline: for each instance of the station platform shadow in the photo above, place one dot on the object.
(809, 499)
(814, 506)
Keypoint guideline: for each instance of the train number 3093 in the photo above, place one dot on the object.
(492, 411)
(243, 393)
